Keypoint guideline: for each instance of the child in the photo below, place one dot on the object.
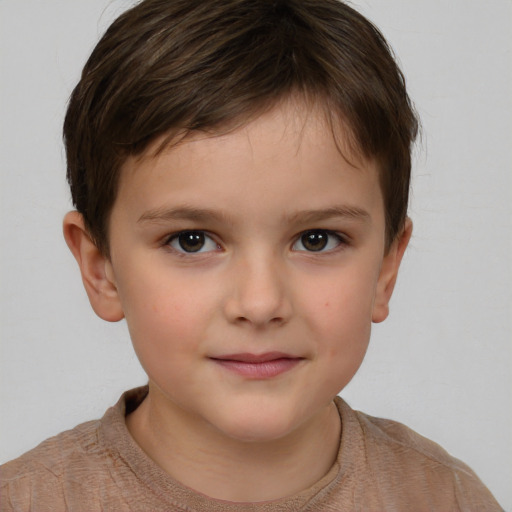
(240, 170)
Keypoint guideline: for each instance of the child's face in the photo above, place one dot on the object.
(283, 257)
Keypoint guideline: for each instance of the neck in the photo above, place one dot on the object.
(202, 458)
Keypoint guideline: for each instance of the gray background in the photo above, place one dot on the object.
(441, 363)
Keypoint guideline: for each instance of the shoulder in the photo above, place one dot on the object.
(84, 468)
(406, 467)
(71, 456)
(398, 440)
(52, 453)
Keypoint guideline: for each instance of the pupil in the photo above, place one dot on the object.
(191, 241)
(314, 240)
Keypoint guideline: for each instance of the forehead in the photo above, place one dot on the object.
(292, 117)
(290, 157)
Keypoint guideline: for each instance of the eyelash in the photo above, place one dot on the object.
(341, 242)
(182, 253)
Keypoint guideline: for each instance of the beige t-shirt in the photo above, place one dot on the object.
(381, 466)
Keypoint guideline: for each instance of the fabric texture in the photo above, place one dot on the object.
(97, 466)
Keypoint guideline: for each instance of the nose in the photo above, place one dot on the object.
(259, 293)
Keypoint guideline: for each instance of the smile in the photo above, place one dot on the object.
(262, 366)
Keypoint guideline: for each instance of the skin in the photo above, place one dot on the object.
(253, 288)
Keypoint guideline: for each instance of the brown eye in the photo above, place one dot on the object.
(192, 242)
(316, 240)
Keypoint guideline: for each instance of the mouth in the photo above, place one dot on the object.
(258, 366)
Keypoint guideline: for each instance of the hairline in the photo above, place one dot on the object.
(342, 133)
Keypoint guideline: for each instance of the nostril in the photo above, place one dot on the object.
(273, 321)
(258, 299)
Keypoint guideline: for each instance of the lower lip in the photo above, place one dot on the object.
(263, 370)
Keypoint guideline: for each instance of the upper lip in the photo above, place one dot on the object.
(255, 358)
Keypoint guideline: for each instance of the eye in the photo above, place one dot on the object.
(192, 242)
(317, 240)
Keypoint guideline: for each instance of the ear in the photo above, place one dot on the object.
(96, 269)
(389, 273)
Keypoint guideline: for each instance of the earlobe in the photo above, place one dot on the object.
(389, 273)
(96, 269)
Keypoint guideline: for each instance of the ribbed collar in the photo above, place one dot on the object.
(115, 437)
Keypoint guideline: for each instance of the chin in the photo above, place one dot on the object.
(258, 425)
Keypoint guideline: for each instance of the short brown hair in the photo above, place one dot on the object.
(168, 66)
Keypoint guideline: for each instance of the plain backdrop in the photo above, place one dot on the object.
(441, 363)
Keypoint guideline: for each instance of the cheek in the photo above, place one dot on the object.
(339, 310)
(167, 320)
(338, 297)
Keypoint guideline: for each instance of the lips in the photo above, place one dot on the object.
(258, 366)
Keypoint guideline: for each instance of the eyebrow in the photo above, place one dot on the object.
(204, 214)
(346, 212)
(180, 213)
